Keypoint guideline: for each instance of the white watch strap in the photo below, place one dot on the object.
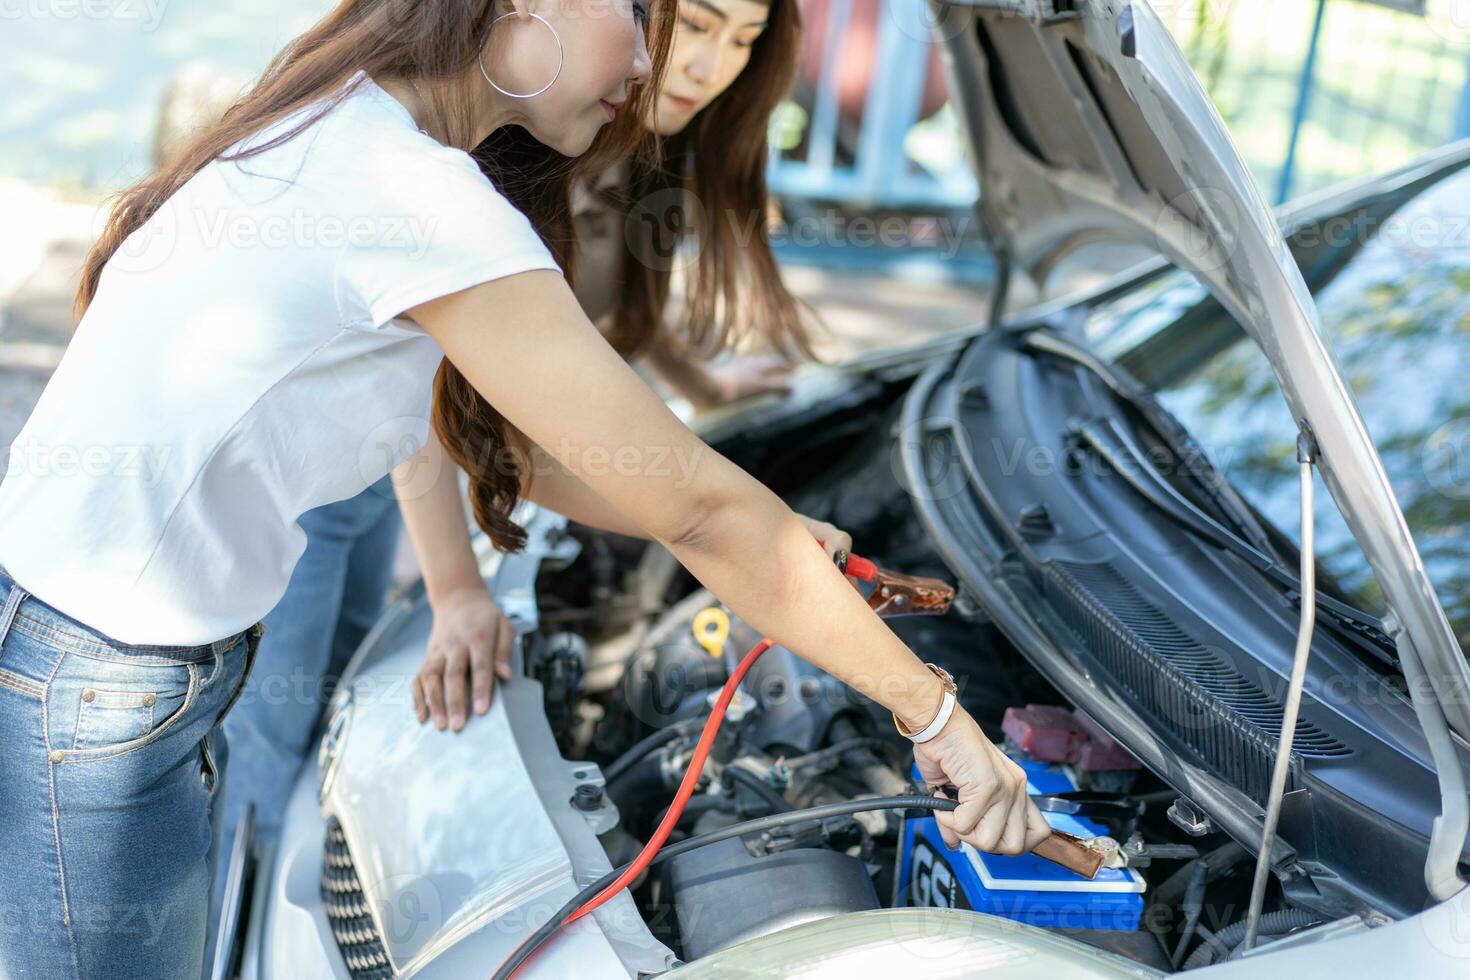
(946, 708)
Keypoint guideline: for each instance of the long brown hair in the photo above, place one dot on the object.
(437, 41)
(708, 185)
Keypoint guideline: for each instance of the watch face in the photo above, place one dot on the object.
(944, 676)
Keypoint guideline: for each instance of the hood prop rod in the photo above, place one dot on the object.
(1306, 455)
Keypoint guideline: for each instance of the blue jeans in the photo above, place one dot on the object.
(336, 593)
(107, 779)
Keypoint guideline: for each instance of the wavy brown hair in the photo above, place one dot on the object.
(436, 41)
(717, 164)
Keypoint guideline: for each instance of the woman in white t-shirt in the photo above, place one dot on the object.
(729, 65)
(266, 323)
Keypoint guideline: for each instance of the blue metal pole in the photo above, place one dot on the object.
(1462, 114)
(822, 150)
(892, 104)
(1303, 98)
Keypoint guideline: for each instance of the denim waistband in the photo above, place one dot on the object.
(20, 609)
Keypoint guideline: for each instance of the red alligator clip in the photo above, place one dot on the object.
(894, 593)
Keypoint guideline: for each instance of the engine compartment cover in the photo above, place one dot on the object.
(452, 837)
(462, 844)
(894, 942)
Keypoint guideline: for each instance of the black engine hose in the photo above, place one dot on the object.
(1217, 864)
(836, 750)
(758, 786)
(1224, 941)
(844, 808)
(873, 769)
(702, 803)
(770, 800)
(647, 744)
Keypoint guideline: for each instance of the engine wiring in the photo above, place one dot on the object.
(600, 893)
(622, 877)
(562, 916)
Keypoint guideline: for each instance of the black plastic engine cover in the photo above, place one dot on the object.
(723, 895)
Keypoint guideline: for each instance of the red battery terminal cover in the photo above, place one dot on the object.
(1049, 733)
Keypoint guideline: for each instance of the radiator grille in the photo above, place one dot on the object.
(347, 910)
(1199, 696)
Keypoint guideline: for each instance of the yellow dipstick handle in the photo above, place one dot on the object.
(711, 629)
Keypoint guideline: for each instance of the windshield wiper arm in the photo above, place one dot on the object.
(1165, 428)
(1360, 628)
(1115, 446)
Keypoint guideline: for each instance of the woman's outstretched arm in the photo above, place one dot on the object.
(471, 641)
(524, 343)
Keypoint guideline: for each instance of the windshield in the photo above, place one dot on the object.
(1395, 308)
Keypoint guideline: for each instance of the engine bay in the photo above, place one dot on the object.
(616, 673)
(629, 680)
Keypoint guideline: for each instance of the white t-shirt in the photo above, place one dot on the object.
(243, 362)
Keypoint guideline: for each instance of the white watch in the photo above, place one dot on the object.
(946, 708)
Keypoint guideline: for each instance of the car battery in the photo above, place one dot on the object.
(1025, 887)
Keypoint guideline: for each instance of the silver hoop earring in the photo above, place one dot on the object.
(561, 58)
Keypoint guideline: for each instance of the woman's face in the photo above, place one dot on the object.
(604, 52)
(711, 47)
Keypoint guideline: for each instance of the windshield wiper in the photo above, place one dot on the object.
(1124, 457)
(1168, 431)
(1112, 443)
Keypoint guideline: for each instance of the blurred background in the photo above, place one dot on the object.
(1314, 91)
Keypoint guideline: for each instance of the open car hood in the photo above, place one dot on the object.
(1086, 123)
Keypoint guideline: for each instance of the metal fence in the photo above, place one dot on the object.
(848, 136)
(1314, 91)
(1317, 91)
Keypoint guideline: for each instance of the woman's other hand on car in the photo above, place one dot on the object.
(748, 375)
(470, 644)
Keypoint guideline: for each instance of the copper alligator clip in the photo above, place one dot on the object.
(1078, 855)
(897, 594)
